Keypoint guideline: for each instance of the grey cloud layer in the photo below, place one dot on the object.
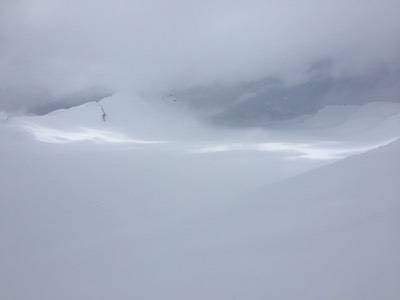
(60, 47)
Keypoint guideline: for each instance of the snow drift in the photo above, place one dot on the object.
(85, 220)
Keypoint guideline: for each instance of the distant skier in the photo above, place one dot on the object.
(104, 115)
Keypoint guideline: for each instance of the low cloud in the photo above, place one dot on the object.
(54, 48)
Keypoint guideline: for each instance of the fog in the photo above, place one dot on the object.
(50, 50)
(199, 149)
(152, 205)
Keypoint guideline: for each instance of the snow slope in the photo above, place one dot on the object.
(332, 233)
(333, 133)
(109, 221)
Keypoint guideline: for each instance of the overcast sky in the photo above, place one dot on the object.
(64, 46)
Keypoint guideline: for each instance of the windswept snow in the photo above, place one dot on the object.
(199, 150)
(318, 151)
(333, 133)
(57, 136)
(107, 210)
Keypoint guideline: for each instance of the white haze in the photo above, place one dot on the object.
(101, 210)
(199, 149)
(53, 48)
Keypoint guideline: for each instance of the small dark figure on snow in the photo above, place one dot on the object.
(103, 115)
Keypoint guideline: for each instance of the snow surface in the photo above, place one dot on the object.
(126, 210)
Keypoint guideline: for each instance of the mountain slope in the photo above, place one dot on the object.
(330, 234)
(81, 222)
